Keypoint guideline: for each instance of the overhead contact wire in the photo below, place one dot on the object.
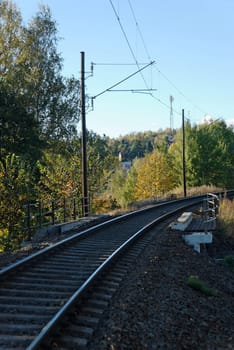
(128, 43)
(138, 28)
(162, 74)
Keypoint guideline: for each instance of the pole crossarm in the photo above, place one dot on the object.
(123, 80)
(133, 90)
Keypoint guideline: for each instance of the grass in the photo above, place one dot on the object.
(104, 204)
(193, 191)
(195, 283)
(226, 217)
(229, 261)
(176, 193)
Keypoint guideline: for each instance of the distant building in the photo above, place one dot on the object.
(126, 165)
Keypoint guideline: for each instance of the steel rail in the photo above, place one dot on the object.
(10, 269)
(81, 286)
(48, 329)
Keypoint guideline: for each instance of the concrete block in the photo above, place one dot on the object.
(68, 227)
(197, 238)
(183, 221)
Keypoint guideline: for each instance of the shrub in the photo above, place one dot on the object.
(195, 283)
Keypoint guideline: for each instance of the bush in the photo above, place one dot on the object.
(197, 284)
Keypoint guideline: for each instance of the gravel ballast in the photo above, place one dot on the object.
(154, 308)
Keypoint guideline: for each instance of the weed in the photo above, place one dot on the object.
(229, 261)
(195, 283)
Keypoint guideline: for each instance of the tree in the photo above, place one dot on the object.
(137, 149)
(155, 175)
(101, 163)
(55, 99)
(60, 172)
(31, 70)
(16, 186)
(209, 154)
(175, 151)
(216, 144)
(19, 132)
(149, 177)
(11, 50)
(122, 186)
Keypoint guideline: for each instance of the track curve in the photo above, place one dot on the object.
(37, 292)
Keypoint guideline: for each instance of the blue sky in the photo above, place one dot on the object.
(192, 43)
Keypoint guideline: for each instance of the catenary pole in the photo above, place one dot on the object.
(85, 202)
(183, 154)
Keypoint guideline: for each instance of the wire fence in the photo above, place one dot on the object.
(210, 209)
(41, 214)
(52, 212)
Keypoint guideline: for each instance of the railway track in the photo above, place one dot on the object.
(54, 298)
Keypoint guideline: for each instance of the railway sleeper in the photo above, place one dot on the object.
(40, 287)
(66, 267)
(106, 289)
(69, 342)
(23, 318)
(121, 273)
(9, 329)
(114, 278)
(47, 280)
(102, 296)
(110, 283)
(43, 294)
(17, 300)
(92, 311)
(69, 271)
(28, 309)
(15, 341)
(97, 302)
(56, 274)
(86, 320)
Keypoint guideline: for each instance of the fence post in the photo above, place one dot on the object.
(28, 221)
(53, 209)
(74, 208)
(40, 214)
(85, 206)
(64, 209)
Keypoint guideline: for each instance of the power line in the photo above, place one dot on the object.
(128, 43)
(162, 74)
(179, 91)
(138, 28)
(148, 56)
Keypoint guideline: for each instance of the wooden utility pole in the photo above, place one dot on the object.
(85, 199)
(183, 154)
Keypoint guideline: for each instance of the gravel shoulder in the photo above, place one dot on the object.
(154, 308)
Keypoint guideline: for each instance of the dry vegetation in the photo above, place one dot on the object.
(193, 191)
(226, 217)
